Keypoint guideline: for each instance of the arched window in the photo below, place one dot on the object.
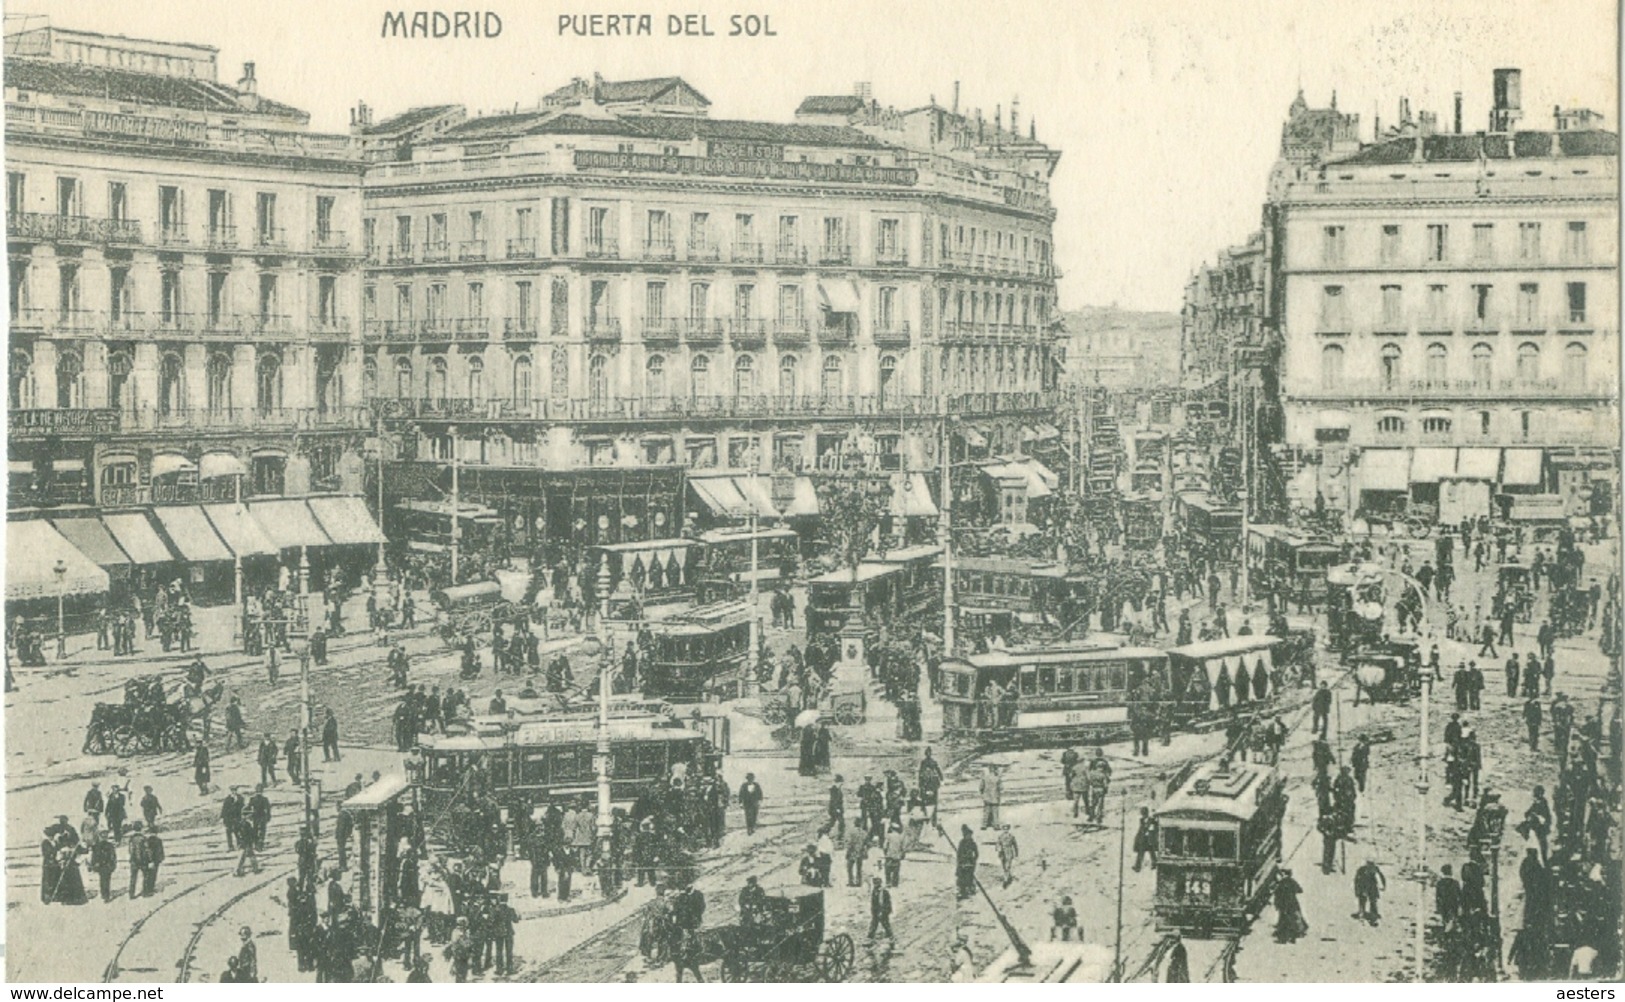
(476, 378)
(119, 367)
(1483, 364)
(888, 379)
(70, 380)
(521, 379)
(1388, 366)
(559, 374)
(439, 379)
(834, 385)
(218, 391)
(1331, 366)
(598, 379)
(21, 394)
(1574, 365)
(1391, 424)
(404, 378)
(171, 384)
(788, 383)
(268, 383)
(369, 378)
(745, 376)
(1528, 362)
(654, 377)
(699, 376)
(1438, 361)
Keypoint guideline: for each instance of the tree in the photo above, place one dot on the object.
(852, 509)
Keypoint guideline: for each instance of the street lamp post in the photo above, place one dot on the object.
(600, 650)
(61, 570)
(304, 732)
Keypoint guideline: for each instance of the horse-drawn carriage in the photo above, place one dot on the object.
(781, 940)
(1389, 671)
(473, 610)
(147, 722)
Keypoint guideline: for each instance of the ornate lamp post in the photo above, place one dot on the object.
(61, 570)
(598, 650)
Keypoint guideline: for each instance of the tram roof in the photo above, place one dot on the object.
(731, 534)
(646, 545)
(906, 554)
(378, 794)
(1008, 565)
(1226, 645)
(702, 619)
(1206, 502)
(1057, 655)
(1233, 793)
(566, 732)
(866, 571)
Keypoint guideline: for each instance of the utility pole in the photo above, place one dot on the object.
(1246, 388)
(1122, 854)
(456, 506)
(240, 627)
(755, 599)
(947, 538)
(1422, 834)
(304, 733)
(380, 573)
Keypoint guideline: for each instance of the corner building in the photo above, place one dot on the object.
(584, 300)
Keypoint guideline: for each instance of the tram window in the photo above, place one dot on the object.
(1029, 682)
(500, 767)
(533, 769)
(1196, 843)
(1046, 680)
(1223, 845)
(571, 764)
(1173, 841)
(623, 762)
(1064, 679)
(651, 761)
(1115, 676)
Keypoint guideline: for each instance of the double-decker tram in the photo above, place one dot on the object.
(1056, 694)
(995, 594)
(1210, 526)
(697, 652)
(1218, 848)
(901, 584)
(726, 553)
(1142, 520)
(1290, 566)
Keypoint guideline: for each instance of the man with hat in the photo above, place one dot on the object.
(116, 811)
(879, 909)
(500, 929)
(966, 855)
(103, 861)
(750, 799)
(460, 949)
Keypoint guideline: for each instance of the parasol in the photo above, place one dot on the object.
(806, 718)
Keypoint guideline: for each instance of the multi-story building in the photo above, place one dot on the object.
(1443, 297)
(581, 300)
(184, 272)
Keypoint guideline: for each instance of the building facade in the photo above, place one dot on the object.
(185, 270)
(615, 285)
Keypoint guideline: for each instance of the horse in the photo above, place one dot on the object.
(661, 941)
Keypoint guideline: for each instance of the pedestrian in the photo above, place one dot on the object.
(1009, 852)
(267, 760)
(330, 738)
(259, 816)
(1512, 676)
(930, 783)
(248, 844)
(200, 768)
(1369, 883)
(895, 849)
(93, 799)
(1531, 719)
(1178, 971)
(1475, 684)
(879, 909)
(1360, 759)
(235, 725)
(290, 752)
(962, 963)
(231, 815)
(1289, 921)
(1486, 646)
(1145, 839)
(248, 957)
(837, 807)
(154, 858)
(1064, 921)
(137, 861)
(1321, 707)
(965, 857)
(992, 795)
(150, 807)
(857, 850)
(103, 861)
(1446, 897)
(750, 800)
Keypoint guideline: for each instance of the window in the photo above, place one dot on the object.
(1529, 241)
(1436, 304)
(1388, 365)
(476, 226)
(790, 304)
(324, 218)
(404, 379)
(1437, 363)
(1528, 303)
(888, 380)
(171, 384)
(369, 235)
(1528, 369)
(658, 230)
(1391, 424)
(834, 233)
(1575, 247)
(68, 290)
(268, 383)
(434, 306)
(327, 299)
(699, 301)
(1577, 302)
(476, 378)
(1393, 310)
(67, 196)
(369, 378)
(1483, 241)
(745, 376)
(787, 376)
(524, 225)
(524, 307)
(70, 380)
(439, 379)
(598, 379)
(654, 303)
(1388, 249)
(597, 227)
(699, 376)
(789, 236)
(265, 218)
(600, 305)
(1574, 365)
(558, 370)
(699, 231)
(744, 301)
(403, 303)
(1436, 425)
(118, 201)
(119, 297)
(744, 228)
(1483, 422)
(654, 377)
(1526, 423)
(1438, 246)
(834, 384)
(887, 246)
(16, 190)
(1332, 315)
(1481, 304)
(522, 379)
(886, 309)
(476, 300)
(1332, 245)
(403, 234)
(1483, 364)
(171, 212)
(218, 375)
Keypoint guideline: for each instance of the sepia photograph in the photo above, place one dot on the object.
(839, 493)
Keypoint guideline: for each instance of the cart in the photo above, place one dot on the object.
(785, 941)
(1389, 672)
(146, 722)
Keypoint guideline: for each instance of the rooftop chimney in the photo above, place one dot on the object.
(1508, 100)
(863, 89)
(956, 97)
(1458, 112)
(1015, 108)
(248, 84)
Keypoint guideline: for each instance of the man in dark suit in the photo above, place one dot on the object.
(879, 909)
(750, 798)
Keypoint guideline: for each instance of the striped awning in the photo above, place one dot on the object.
(346, 521)
(237, 527)
(1429, 466)
(189, 529)
(911, 497)
(288, 523)
(1522, 468)
(137, 538)
(721, 496)
(1478, 464)
(90, 537)
(34, 551)
(1385, 470)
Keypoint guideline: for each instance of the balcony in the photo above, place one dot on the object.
(747, 331)
(835, 254)
(603, 329)
(519, 329)
(28, 318)
(173, 322)
(473, 329)
(747, 252)
(271, 238)
(124, 323)
(78, 321)
(220, 238)
(330, 241)
(1423, 390)
(844, 332)
(659, 250)
(471, 250)
(789, 252)
(891, 333)
(661, 331)
(91, 422)
(791, 332)
(602, 249)
(704, 250)
(172, 235)
(437, 329)
(436, 252)
(891, 256)
(72, 229)
(269, 323)
(372, 330)
(330, 327)
(399, 254)
(699, 330)
(521, 248)
(401, 330)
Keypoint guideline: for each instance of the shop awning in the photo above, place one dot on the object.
(90, 537)
(237, 527)
(34, 549)
(221, 464)
(805, 502)
(1028, 433)
(1039, 480)
(23, 467)
(288, 522)
(973, 436)
(136, 537)
(166, 463)
(911, 498)
(1522, 468)
(1478, 464)
(758, 494)
(1046, 430)
(67, 466)
(1385, 470)
(721, 496)
(192, 534)
(1332, 419)
(346, 521)
(838, 295)
(1429, 466)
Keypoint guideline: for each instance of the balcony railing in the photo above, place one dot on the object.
(892, 333)
(661, 331)
(838, 332)
(270, 323)
(436, 251)
(704, 250)
(471, 250)
(891, 255)
(835, 254)
(93, 421)
(271, 238)
(78, 321)
(437, 329)
(745, 330)
(521, 248)
(632, 409)
(77, 229)
(792, 331)
(473, 329)
(747, 252)
(220, 237)
(519, 329)
(790, 252)
(329, 240)
(603, 329)
(699, 330)
(172, 235)
(659, 250)
(372, 330)
(1460, 389)
(603, 248)
(399, 254)
(330, 326)
(401, 330)
(28, 317)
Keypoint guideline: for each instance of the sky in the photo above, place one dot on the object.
(1167, 112)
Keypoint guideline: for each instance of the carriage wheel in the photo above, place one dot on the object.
(124, 741)
(773, 712)
(848, 714)
(1418, 529)
(95, 741)
(835, 958)
(734, 970)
